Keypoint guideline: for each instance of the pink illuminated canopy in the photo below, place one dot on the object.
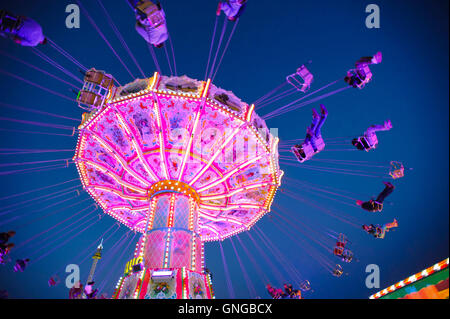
(179, 129)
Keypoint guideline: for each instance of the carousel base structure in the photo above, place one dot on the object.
(169, 283)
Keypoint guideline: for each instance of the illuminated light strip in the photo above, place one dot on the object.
(273, 161)
(269, 199)
(193, 252)
(119, 159)
(226, 176)
(280, 177)
(119, 287)
(219, 237)
(134, 209)
(194, 127)
(249, 113)
(225, 110)
(425, 273)
(191, 214)
(191, 139)
(213, 158)
(203, 255)
(173, 186)
(152, 214)
(167, 248)
(136, 146)
(170, 218)
(107, 189)
(261, 139)
(213, 230)
(258, 185)
(151, 85)
(183, 282)
(162, 273)
(206, 89)
(229, 207)
(218, 218)
(106, 171)
(161, 140)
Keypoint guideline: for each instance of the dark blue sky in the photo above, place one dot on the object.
(272, 39)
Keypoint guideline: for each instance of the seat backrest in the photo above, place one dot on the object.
(147, 7)
(320, 144)
(107, 81)
(304, 73)
(297, 150)
(338, 251)
(94, 76)
(89, 98)
(366, 143)
(156, 19)
(340, 244)
(308, 149)
(9, 22)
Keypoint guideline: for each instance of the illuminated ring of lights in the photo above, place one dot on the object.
(173, 186)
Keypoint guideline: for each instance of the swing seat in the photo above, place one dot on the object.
(397, 170)
(347, 256)
(99, 78)
(9, 22)
(398, 173)
(305, 285)
(340, 244)
(380, 232)
(53, 282)
(301, 79)
(93, 76)
(360, 76)
(368, 141)
(97, 87)
(89, 98)
(337, 272)
(338, 251)
(156, 19)
(152, 13)
(342, 240)
(378, 206)
(303, 152)
(364, 74)
(319, 143)
(146, 7)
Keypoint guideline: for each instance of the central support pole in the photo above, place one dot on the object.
(172, 238)
(171, 249)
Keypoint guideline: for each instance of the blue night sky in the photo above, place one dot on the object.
(272, 39)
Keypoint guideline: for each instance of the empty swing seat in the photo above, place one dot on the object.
(301, 80)
(97, 87)
(397, 170)
(89, 98)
